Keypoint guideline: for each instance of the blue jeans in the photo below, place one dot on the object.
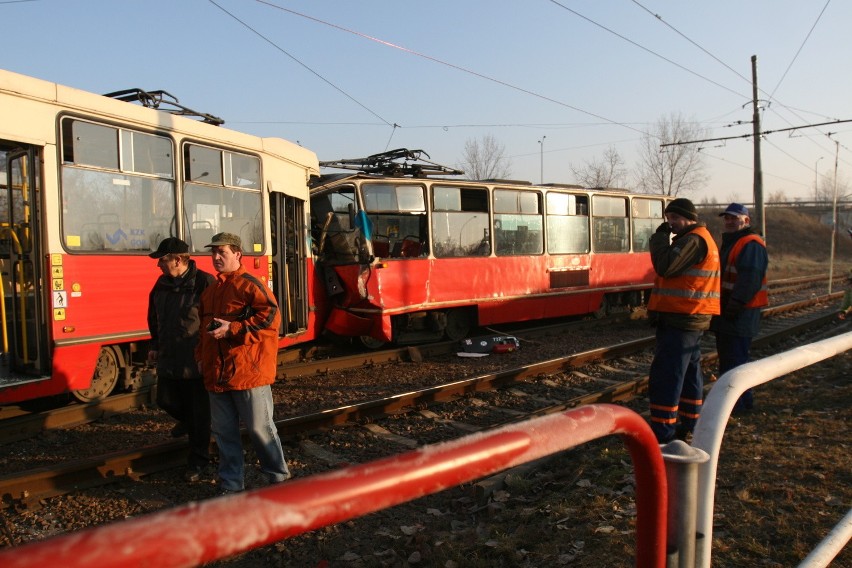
(675, 385)
(254, 407)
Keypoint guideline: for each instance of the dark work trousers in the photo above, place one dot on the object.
(186, 401)
(675, 387)
(733, 351)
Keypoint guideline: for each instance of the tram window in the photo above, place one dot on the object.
(334, 229)
(460, 224)
(397, 218)
(567, 223)
(106, 211)
(517, 222)
(203, 164)
(242, 171)
(647, 216)
(609, 224)
(211, 207)
(88, 144)
(386, 197)
(146, 154)
(127, 204)
(84, 143)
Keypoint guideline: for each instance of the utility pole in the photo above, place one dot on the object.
(759, 219)
(833, 217)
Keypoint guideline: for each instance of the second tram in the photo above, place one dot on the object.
(406, 257)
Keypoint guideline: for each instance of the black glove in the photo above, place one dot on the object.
(732, 310)
(664, 228)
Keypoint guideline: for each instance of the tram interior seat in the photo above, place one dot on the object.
(381, 246)
(411, 248)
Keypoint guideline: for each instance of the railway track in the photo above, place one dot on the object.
(17, 424)
(614, 373)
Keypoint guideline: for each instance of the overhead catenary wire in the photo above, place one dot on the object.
(285, 52)
(450, 65)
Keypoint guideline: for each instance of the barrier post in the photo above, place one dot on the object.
(682, 475)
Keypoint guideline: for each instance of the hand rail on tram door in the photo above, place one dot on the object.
(23, 300)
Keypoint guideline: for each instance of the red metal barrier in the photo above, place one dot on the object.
(202, 532)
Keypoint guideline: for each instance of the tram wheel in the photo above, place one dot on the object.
(104, 379)
(458, 325)
(370, 342)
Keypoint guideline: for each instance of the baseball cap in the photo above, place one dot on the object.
(171, 245)
(735, 209)
(221, 239)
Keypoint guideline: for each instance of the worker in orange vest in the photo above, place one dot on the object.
(684, 299)
(744, 264)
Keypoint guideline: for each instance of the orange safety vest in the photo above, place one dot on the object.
(696, 290)
(729, 276)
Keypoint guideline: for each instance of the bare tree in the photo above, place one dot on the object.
(608, 172)
(825, 192)
(485, 158)
(777, 197)
(671, 170)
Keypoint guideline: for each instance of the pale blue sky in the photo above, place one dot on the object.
(517, 70)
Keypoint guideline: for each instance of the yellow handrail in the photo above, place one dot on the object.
(22, 299)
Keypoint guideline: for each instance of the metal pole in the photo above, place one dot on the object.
(758, 172)
(833, 218)
(816, 197)
(682, 463)
(541, 142)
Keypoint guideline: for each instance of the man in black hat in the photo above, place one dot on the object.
(173, 321)
(684, 299)
(744, 293)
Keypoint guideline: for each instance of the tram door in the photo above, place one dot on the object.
(289, 259)
(24, 329)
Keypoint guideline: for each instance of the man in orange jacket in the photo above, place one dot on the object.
(684, 299)
(237, 355)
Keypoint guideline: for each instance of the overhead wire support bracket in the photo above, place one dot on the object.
(400, 162)
(153, 99)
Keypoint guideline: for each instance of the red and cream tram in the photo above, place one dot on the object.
(405, 257)
(90, 185)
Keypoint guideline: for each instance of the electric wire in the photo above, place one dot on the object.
(652, 52)
(282, 50)
(448, 64)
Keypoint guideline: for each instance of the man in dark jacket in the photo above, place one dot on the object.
(684, 299)
(173, 321)
(744, 264)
